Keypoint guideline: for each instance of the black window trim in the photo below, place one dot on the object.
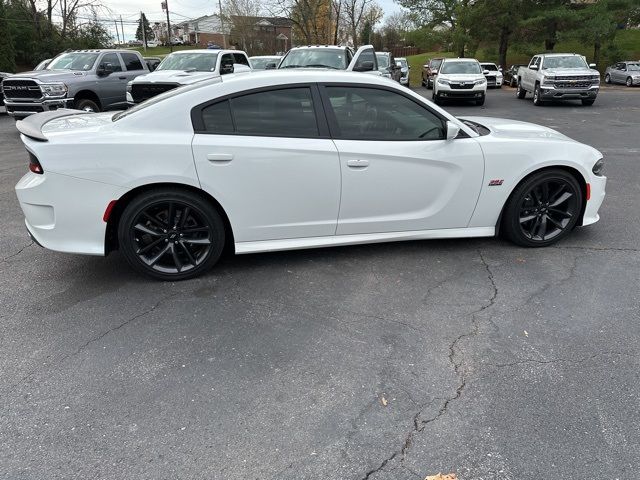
(334, 128)
(197, 119)
(124, 63)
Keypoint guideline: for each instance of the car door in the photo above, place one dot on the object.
(112, 87)
(398, 171)
(529, 75)
(365, 60)
(267, 157)
(621, 73)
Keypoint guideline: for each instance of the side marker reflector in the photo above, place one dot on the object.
(107, 212)
(588, 191)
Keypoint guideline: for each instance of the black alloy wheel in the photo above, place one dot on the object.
(543, 209)
(171, 235)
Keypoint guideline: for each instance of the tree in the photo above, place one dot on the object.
(312, 19)
(358, 14)
(147, 33)
(7, 52)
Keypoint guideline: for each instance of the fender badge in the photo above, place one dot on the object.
(496, 182)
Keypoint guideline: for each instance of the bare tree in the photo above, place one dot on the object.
(241, 14)
(311, 18)
(357, 13)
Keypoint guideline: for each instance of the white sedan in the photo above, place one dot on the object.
(294, 159)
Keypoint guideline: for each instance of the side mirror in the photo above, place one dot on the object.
(105, 69)
(485, 72)
(366, 66)
(592, 65)
(226, 68)
(533, 67)
(270, 66)
(452, 130)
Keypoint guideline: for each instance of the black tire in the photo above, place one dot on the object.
(86, 105)
(513, 83)
(429, 84)
(629, 82)
(538, 216)
(587, 102)
(422, 82)
(520, 92)
(607, 78)
(481, 101)
(436, 98)
(154, 247)
(537, 98)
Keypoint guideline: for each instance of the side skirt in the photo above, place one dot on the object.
(341, 240)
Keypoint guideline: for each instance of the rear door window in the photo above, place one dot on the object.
(132, 61)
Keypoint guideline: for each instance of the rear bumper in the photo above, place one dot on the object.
(552, 93)
(24, 109)
(65, 213)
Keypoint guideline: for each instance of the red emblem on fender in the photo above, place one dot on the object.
(496, 182)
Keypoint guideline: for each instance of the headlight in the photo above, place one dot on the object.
(54, 89)
(480, 82)
(598, 167)
(549, 80)
(442, 81)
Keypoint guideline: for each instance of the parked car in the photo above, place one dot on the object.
(460, 79)
(493, 74)
(429, 71)
(387, 66)
(405, 70)
(510, 76)
(331, 57)
(304, 163)
(184, 68)
(3, 75)
(627, 73)
(559, 76)
(90, 80)
(42, 65)
(152, 62)
(261, 62)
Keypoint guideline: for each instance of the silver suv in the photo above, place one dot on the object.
(90, 80)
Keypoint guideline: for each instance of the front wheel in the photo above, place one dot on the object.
(607, 78)
(629, 82)
(480, 102)
(537, 98)
(543, 209)
(520, 92)
(171, 234)
(86, 105)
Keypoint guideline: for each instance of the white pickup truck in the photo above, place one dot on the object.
(559, 76)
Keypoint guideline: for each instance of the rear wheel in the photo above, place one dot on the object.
(543, 209)
(520, 92)
(607, 78)
(629, 82)
(171, 234)
(86, 105)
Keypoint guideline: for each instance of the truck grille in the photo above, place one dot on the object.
(143, 91)
(462, 86)
(572, 84)
(21, 89)
(491, 80)
(584, 78)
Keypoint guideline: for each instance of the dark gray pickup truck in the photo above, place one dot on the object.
(90, 80)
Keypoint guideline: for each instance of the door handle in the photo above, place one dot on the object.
(219, 157)
(359, 163)
(122, 78)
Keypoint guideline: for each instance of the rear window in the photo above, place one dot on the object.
(132, 61)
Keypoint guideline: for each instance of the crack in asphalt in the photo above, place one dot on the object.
(18, 252)
(29, 375)
(595, 249)
(418, 424)
(561, 360)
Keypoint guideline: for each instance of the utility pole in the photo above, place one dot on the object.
(122, 28)
(117, 31)
(165, 6)
(224, 37)
(144, 33)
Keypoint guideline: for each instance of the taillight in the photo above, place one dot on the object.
(34, 164)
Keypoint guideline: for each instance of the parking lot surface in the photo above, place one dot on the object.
(389, 361)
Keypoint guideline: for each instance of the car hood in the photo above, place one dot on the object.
(570, 71)
(506, 128)
(461, 77)
(175, 76)
(51, 75)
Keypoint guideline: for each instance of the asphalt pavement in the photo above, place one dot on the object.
(389, 361)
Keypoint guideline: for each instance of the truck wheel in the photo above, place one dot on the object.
(86, 105)
(481, 101)
(520, 92)
(607, 78)
(587, 102)
(537, 100)
(629, 82)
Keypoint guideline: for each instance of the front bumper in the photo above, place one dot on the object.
(57, 220)
(24, 109)
(404, 80)
(553, 93)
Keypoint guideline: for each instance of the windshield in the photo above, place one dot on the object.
(316, 57)
(74, 61)
(192, 62)
(460, 67)
(260, 63)
(383, 60)
(401, 62)
(570, 61)
(633, 66)
(490, 66)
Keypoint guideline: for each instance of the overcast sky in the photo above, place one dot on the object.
(181, 10)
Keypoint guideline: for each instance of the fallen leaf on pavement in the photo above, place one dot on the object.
(526, 334)
(448, 476)
(384, 401)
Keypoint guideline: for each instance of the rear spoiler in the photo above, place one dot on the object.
(31, 126)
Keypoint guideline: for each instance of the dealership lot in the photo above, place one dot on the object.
(391, 361)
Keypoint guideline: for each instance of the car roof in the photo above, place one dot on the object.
(557, 55)
(461, 59)
(266, 56)
(303, 75)
(487, 63)
(206, 50)
(303, 47)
